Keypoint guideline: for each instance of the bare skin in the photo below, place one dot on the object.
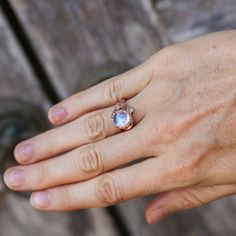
(184, 98)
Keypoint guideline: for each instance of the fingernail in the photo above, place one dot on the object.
(57, 114)
(40, 199)
(14, 178)
(156, 215)
(24, 152)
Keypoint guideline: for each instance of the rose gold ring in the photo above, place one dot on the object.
(122, 116)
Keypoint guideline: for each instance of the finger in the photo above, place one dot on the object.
(102, 95)
(80, 164)
(89, 128)
(110, 188)
(178, 200)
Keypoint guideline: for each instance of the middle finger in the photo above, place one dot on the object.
(80, 164)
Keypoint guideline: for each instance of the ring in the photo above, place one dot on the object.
(122, 116)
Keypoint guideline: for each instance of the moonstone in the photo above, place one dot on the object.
(121, 119)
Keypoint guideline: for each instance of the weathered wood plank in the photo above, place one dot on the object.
(16, 78)
(77, 38)
(214, 219)
(185, 19)
(17, 217)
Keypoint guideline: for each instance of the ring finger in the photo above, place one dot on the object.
(89, 128)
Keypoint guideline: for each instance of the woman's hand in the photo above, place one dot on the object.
(185, 125)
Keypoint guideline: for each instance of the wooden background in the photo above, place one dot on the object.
(49, 49)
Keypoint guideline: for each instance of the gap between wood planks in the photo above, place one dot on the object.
(47, 86)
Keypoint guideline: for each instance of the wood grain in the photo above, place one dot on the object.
(214, 219)
(185, 19)
(80, 38)
(16, 78)
(17, 217)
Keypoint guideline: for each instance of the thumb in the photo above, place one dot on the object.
(170, 202)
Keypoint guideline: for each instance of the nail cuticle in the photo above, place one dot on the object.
(58, 114)
(24, 152)
(40, 200)
(14, 178)
(156, 215)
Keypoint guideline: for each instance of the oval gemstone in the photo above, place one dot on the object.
(121, 119)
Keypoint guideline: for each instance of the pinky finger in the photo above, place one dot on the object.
(171, 202)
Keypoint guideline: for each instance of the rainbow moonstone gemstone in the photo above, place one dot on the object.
(121, 119)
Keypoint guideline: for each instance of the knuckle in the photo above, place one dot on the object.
(95, 127)
(108, 191)
(42, 175)
(90, 160)
(66, 197)
(76, 99)
(112, 91)
(190, 200)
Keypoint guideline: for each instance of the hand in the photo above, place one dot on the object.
(184, 99)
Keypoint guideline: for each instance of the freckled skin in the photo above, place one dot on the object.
(184, 100)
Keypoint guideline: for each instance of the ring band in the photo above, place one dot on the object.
(122, 116)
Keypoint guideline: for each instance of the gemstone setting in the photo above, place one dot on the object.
(122, 117)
